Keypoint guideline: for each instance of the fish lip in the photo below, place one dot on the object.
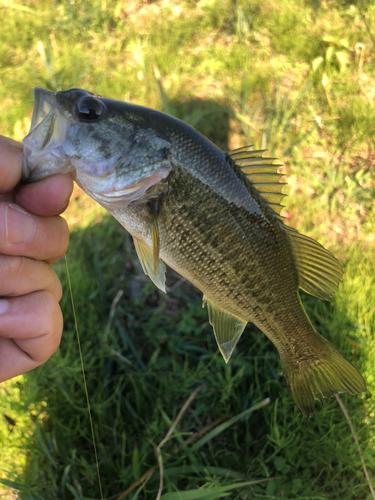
(44, 101)
(44, 141)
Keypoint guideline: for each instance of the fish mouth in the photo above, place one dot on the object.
(44, 101)
(58, 143)
(42, 146)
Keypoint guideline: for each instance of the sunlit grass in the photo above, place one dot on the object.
(21, 414)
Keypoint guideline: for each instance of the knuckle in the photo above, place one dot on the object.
(58, 291)
(61, 240)
(52, 321)
(64, 235)
(15, 271)
(13, 267)
(56, 331)
(48, 306)
(53, 285)
(65, 232)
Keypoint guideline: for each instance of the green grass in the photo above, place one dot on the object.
(240, 72)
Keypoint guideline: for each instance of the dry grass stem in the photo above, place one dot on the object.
(150, 471)
(169, 433)
(357, 444)
(111, 314)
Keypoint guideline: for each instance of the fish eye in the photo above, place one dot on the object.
(89, 109)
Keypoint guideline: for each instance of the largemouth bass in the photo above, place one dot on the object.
(213, 217)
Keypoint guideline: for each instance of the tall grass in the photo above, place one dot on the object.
(294, 77)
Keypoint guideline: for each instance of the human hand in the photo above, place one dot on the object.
(32, 236)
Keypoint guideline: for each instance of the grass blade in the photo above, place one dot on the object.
(220, 428)
(11, 484)
(208, 494)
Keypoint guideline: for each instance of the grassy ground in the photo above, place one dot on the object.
(295, 77)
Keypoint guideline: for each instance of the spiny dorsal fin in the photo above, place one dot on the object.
(146, 258)
(227, 328)
(319, 272)
(263, 175)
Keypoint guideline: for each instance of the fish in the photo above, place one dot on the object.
(212, 216)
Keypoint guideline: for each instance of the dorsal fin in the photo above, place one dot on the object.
(262, 173)
(319, 272)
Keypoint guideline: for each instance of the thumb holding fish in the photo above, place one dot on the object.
(32, 235)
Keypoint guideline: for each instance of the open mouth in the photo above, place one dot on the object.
(42, 127)
(44, 101)
(42, 145)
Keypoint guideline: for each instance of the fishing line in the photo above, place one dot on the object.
(84, 379)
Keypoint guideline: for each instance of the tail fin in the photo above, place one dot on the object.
(321, 377)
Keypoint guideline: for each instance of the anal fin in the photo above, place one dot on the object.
(146, 257)
(227, 328)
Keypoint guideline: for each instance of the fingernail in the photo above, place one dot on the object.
(4, 304)
(20, 227)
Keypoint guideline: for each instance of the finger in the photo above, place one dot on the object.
(11, 155)
(30, 332)
(41, 238)
(21, 276)
(47, 197)
(13, 360)
(10, 196)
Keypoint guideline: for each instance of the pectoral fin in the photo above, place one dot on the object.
(155, 242)
(146, 257)
(227, 328)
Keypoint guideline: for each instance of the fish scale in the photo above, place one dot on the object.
(214, 217)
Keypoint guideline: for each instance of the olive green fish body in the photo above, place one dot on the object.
(213, 217)
(215, 244)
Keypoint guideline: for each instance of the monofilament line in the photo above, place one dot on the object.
(84, 379)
